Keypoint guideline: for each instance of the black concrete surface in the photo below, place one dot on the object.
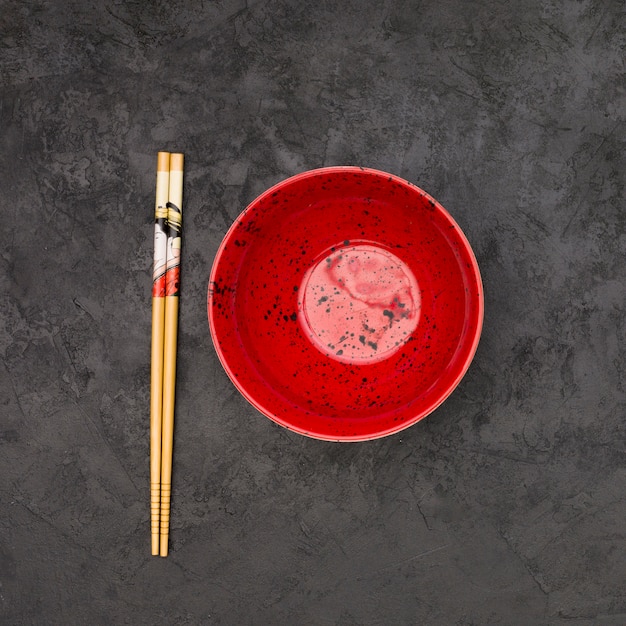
(505, 506)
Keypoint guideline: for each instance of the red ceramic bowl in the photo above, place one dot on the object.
(345, 304)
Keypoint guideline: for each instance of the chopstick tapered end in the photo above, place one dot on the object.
(164, 546)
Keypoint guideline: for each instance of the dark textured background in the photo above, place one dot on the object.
(505, 506)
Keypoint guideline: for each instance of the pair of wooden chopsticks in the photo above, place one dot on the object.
(165, 289)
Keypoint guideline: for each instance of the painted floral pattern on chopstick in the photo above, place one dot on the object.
(174, 241)
(160, 252)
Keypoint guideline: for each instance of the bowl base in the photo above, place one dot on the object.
(359, 303)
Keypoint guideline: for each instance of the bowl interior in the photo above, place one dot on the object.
(345, 303)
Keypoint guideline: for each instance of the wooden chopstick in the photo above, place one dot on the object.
(172, 280)
(158, 326)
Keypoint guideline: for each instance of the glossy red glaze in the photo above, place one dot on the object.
(345, 304)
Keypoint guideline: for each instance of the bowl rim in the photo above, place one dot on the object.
(477, 333)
